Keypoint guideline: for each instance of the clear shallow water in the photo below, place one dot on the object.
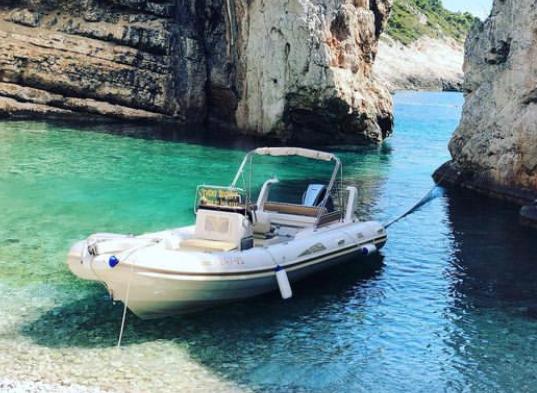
(451, 305)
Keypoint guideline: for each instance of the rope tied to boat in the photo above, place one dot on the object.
(435, 192)
(129, 253)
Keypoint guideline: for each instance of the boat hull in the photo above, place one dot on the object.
(154, 295)
(155, 281)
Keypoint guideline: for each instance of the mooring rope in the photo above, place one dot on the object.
(125, 305)
(130, 253)
(432, 194)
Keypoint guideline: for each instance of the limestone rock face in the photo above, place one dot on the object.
(309, 65)
(295, 70)
(432, 64)
(496, 141)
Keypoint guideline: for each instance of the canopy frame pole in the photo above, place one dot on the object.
(241, 168)
(329, 188)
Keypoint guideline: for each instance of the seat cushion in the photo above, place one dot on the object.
(207, 245)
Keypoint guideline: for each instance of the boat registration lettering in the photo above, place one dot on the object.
(232, 261)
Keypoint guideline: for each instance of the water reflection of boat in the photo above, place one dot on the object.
(236, 249)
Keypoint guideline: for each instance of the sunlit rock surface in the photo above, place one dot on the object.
(494, 149)
(427, 64)
(295, 70)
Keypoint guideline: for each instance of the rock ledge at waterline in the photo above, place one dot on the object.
(494, 149)
(296, 70)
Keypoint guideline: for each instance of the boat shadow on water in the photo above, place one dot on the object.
(94, 321)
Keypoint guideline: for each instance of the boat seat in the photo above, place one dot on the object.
(207, 245)
(290, 208)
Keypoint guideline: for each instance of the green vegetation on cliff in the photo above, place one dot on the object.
(412, 19)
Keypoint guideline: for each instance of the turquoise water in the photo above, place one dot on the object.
(450, 305)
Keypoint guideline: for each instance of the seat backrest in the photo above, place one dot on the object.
(222, 226)
(293, 209)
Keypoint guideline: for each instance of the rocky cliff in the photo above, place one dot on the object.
(432, 64)
(423, 47)
(494, 149)
(295, 70)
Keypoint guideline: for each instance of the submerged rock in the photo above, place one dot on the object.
(295, 70)
(494, 149)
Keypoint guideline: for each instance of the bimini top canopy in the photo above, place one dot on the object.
(290, 151)
(294, 151)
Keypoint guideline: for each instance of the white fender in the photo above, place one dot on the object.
(283, 283)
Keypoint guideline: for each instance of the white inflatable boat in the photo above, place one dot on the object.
(236, 249)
